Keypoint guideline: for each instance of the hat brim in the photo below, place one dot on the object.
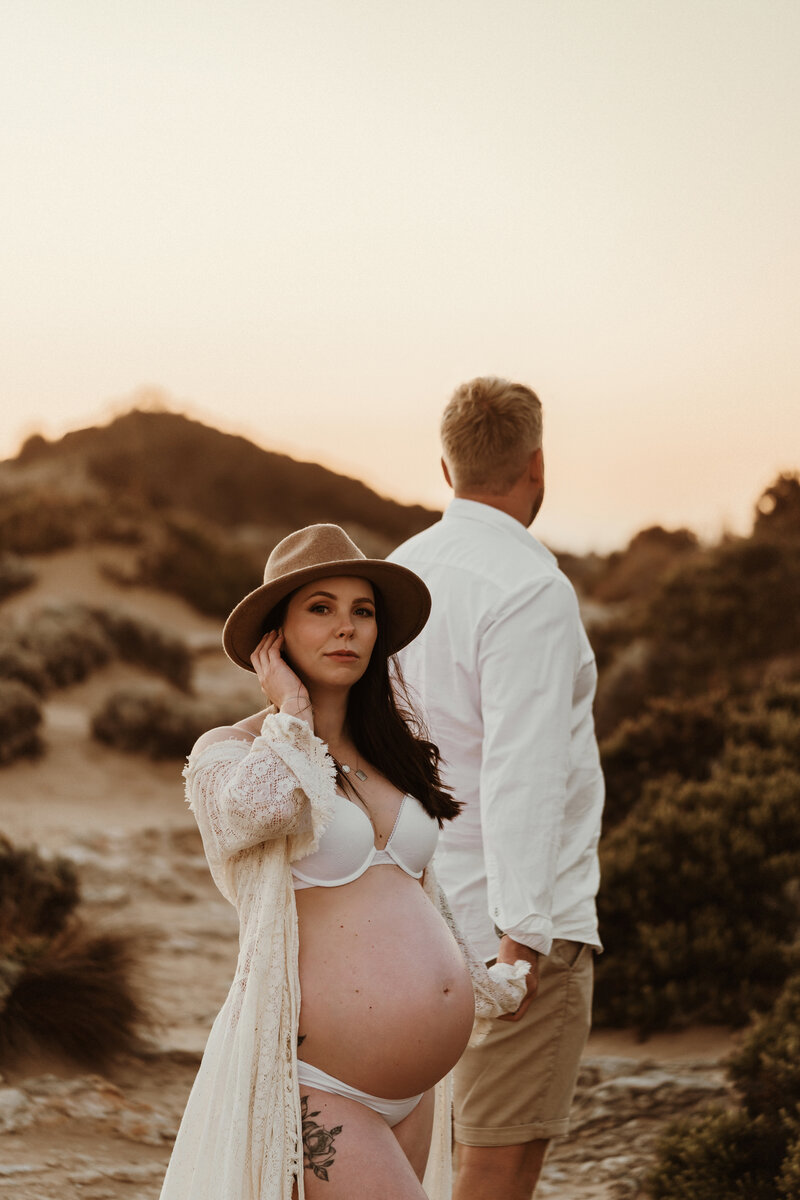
(406, 604)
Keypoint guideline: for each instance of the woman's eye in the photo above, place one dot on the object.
(323, 608)
(364, 612)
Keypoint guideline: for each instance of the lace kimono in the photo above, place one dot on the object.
(260, 806)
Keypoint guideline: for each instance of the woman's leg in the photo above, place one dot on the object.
(349, 1151)
(414, 1134)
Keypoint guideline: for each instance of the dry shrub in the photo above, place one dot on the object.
(698, 904)
(20, 718)
(63, 986)
(35, 521)
(147, 645)
(37, 895)
(69, 641)
(41, 520)
(76, 993)
(635, 572)
(20, 663)
(201, 567)
(62, 644)
(15, 575)
(159, 723)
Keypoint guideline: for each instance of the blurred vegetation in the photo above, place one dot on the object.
(160, 462)
(751, 1152)
(61, 644)
(15, 575)
(698, 705)
(20, 718)
(699, 716)
(201, 566)
(63, 985)
(160, 723)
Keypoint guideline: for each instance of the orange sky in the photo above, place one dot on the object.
(310, 221)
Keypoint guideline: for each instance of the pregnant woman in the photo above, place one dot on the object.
(353, 995)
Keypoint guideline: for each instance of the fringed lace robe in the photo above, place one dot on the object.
(259, 807)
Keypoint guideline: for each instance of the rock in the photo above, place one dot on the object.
(16, 1110)
(621, 1108)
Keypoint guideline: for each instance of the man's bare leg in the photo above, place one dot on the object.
(498, 1172)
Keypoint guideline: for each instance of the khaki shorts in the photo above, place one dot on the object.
(517, 1085)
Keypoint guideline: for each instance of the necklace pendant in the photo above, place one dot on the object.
(346, 769)
(360, 774)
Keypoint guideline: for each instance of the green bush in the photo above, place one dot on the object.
(716, 616)
(159, 723)
(696, 908)
(719, 1156)
(789, 1178)
(687, 737)
(766, 1067)
(20, 718)
(677, 736)
(752, 1151)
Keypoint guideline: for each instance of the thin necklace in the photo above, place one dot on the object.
(359, 774)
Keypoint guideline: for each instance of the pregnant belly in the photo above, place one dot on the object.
(387, 1002)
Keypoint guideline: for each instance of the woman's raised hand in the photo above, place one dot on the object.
(278, 681)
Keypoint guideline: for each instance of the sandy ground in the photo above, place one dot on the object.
(124, 821)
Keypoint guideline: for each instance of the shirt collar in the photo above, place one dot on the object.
(485, 514)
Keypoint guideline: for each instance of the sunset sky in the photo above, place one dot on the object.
(308, 220)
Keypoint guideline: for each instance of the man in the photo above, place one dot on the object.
(506, 676)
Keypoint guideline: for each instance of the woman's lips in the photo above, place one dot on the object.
(347, 655)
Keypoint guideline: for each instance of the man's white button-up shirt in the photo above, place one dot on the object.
(506, 679)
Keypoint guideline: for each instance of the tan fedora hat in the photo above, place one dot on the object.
(314, 553)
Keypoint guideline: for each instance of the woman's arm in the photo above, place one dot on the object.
(244, 793)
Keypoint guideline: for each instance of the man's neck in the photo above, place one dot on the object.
(511, 504)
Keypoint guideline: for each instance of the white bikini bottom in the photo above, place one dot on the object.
(392, 1111)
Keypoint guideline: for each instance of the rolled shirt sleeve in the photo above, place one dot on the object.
(527, 661)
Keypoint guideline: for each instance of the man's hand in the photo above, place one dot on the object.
(509, 952)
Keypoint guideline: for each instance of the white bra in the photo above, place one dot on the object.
(347, 848)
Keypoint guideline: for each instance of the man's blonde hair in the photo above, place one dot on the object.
(490, 428)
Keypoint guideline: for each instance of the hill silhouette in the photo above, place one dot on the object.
(165, 460)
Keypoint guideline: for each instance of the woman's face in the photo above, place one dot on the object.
(329, 631)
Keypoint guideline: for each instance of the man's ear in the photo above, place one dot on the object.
(536, 466)
(446, 473)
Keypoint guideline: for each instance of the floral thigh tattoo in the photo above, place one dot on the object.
(318, 1148)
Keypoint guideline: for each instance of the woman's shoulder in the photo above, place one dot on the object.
(244, 731)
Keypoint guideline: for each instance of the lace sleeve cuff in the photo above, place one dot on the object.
(292, 741)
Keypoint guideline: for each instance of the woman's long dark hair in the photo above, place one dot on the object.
(386, 729)
(388, 732)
